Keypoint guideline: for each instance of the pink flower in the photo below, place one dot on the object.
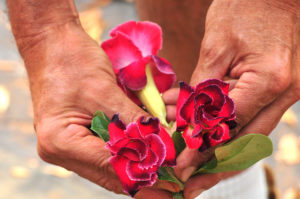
(138, 151)
(205, 113)
(134, 45)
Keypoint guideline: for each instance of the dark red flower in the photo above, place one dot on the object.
(138, 151)
(134, 45)
(204, 113)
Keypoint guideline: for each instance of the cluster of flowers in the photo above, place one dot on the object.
(204, 112)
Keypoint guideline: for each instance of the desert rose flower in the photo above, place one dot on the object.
(132, 51)
(204, 113)
(138, 151)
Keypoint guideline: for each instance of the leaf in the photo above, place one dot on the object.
(179, 142)
(167, 173)
(178, 195)
(102, 115)
(211, 164)
(239, 154)
(100, 125)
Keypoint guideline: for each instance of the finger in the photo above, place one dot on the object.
(166, 185)
(216, 55)
(76, 149)
(150, 193)
(115, 102)
(189, 160)
(170, 96)
(267, 119)
(197, 184)
(171, 112)
(251, 93)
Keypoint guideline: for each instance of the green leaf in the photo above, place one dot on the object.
(100, 125)
(167, 173)
(239, 154)
(178, 195)
(102, 115)
(178, 141)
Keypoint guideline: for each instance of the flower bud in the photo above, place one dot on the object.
(151, 98)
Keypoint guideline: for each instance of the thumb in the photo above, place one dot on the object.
(214, 60)
(111, 100)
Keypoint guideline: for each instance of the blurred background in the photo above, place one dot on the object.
(23, 175)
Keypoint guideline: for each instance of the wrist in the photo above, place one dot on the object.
(32, 21)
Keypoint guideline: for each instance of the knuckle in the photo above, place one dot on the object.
(278, 83)
(46, 148)
(213, 51)
(280, 77)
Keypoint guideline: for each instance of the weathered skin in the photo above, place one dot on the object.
(253, 44)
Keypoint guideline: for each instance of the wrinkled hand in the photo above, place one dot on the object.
(76, 81)
(255, 46)
(71, 78)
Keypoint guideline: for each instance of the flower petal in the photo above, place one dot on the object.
(202, 99)
(163, 74)
(228, 109)
(133, 130)
(192, 141)
(129, 153)
(114, 147)
(134, 149)
(216, 94)
(121, 51)
(119, 164)
(150, 162)
(223, 85)
(147, 36)
(133, 76)
(136, 173)
(130, 94)
(207, 120)
(219, 135)
(116, 129)
(185, 92)
(170, 159)
(187, 109)
(157, 146)
(149, 126)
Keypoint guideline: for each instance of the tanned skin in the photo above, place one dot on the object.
(252, 44)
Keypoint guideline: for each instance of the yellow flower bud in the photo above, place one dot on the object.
(151, 98)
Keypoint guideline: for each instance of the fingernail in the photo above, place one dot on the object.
(196, 193)
(187, 172)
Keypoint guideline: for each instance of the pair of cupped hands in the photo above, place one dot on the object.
(256, 50)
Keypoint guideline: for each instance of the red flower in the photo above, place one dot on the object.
(138, 151)
(205, 113)
(134, 45)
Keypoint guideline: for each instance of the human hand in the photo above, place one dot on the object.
(255, 46)
(71, 78)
